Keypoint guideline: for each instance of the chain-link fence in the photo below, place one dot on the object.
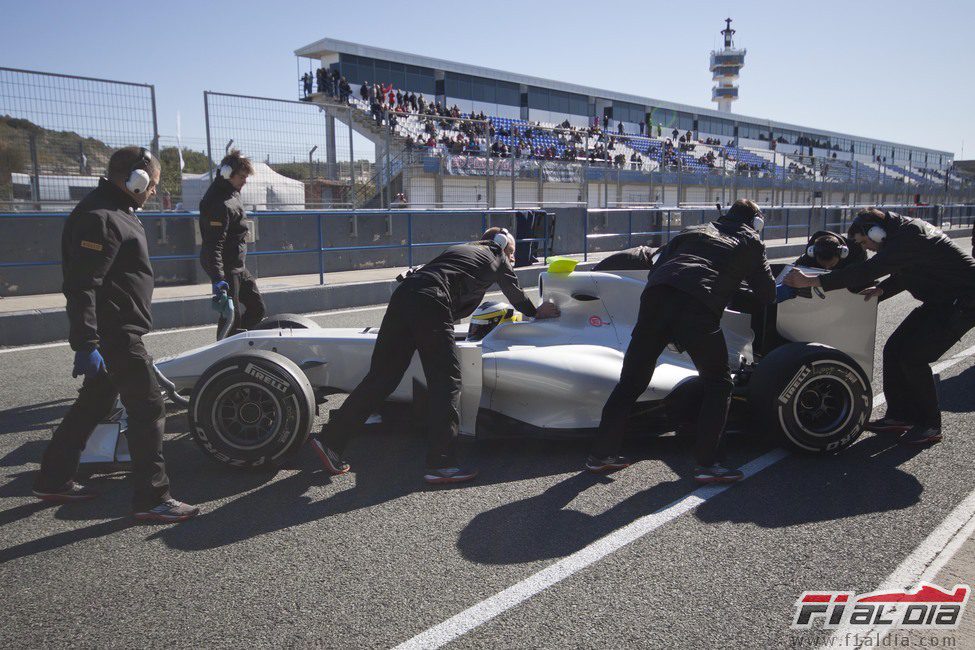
(307, 155)
(57, 133)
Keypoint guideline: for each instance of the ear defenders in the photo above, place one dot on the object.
(869, 227)
(139, 180)
(758, 221)
(503, 238)
(843, 250)
(226, 171)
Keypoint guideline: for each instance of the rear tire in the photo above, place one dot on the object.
(252, 410)
(811, 397)
(286, 321)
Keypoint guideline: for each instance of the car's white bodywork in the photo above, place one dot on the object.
(550, 374)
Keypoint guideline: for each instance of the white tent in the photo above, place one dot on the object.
(265, 190)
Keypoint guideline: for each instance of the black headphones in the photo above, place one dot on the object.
(818, 248)
(139, 180)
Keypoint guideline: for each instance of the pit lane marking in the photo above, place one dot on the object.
(488, 609)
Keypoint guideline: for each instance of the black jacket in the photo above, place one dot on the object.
(465, 272)
(919, 259)
(710, 261)
(223, 230)
(857, 254)
(639, 258)
(105, 263)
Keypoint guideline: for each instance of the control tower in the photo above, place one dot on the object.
(725, 67)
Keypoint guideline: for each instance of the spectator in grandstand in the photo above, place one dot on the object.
(364, 91)
(619, 128)
(660, 130)
(421, 103)
(643, 125)
(336, 78)
(675, 134)
(223, 228)
(605, 121)
(924, 261)
(690, 285)
(413, 105)
(306, 82)
(108, 284)
(320, 80)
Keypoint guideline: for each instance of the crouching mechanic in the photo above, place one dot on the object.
(829, 251)
(922, 260)
(420, 318)
(686, 294)
(223, 228)
(638, 258)
(108, 285)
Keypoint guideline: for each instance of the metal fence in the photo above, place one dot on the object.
(317, 243)
(309, 156)
(335, 150)
(57, 133)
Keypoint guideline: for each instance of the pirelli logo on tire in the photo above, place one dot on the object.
(266, 378)
(794, 385)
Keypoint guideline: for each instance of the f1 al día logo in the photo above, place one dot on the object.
(927, 606)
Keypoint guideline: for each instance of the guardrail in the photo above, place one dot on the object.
(615, 228)
(487, 217)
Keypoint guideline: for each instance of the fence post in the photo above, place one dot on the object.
(787, 227)
(35, 183)
(545, 237)
(409, 239)
(154, 147)
(321, 251)
(351, 163)
(206, 121)
(585, 235)
(629, 228)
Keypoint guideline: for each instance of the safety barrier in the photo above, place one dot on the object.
(600, 230)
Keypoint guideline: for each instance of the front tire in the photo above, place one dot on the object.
(812, 397)
(252, 410)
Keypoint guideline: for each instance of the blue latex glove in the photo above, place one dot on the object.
(220, 287)
(783, 293)
(90, 364)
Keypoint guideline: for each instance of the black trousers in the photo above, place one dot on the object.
(131, 377)
(928, 332)
(670, 315)
(249, 309)
(414, 322)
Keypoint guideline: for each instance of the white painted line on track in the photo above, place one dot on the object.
(922, 565)
(175, 330)
(484, 611)
(195, 328)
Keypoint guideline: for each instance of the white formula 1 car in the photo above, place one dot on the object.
(801, 369)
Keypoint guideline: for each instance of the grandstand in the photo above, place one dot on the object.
(467, 110)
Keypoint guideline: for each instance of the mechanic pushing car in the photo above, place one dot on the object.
(826, 250)
(638, 258)
(223, 228)
(926, 263)
(420, 318)
(108, 285)
(687, 291)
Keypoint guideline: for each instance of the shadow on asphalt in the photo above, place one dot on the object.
(956, 394)
(35, 417)
(864, 479)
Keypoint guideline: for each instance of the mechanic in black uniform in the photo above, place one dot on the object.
(223, 228)
(925, 262)
(638, 258)
(686, 294)
(829, 251)
(420, 318)
(108, 286)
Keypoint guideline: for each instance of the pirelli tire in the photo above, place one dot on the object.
(286, 321)
(810, 397)
(252, 411)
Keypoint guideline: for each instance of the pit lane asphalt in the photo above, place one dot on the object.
(373, 558)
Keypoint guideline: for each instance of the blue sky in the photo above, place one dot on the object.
(895, 70)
